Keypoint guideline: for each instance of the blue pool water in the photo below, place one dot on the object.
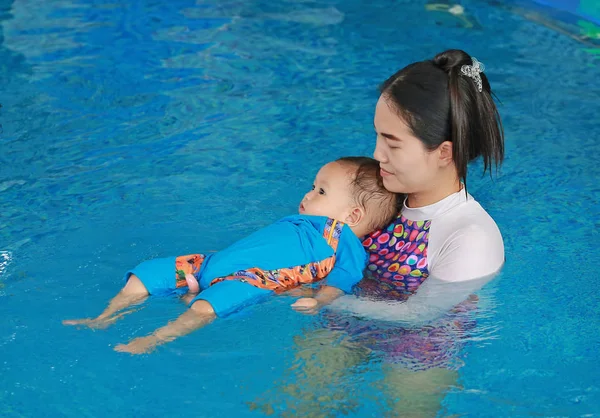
(140, 129)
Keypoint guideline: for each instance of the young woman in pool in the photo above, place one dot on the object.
(432, 118)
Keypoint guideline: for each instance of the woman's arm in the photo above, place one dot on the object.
(433, 299)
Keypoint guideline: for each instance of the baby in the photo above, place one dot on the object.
(347, 202)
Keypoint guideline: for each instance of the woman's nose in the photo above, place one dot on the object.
(378, 154)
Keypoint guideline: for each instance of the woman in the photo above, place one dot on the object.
(433, 117)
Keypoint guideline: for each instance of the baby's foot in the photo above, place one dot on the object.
(140, 345)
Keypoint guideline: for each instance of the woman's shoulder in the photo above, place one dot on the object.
(465, 242)
(458, 211)
(468, 216)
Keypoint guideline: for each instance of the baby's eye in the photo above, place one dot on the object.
(321, 191)
(313, 187)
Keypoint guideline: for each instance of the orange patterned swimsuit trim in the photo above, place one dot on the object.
(187, 264)
(283, 279)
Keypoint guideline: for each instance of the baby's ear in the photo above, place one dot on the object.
(355, 216)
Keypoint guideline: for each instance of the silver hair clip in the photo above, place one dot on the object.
(473, 72)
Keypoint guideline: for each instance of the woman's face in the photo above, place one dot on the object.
(406, 165)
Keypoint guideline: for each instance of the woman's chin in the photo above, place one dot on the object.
(393, 185)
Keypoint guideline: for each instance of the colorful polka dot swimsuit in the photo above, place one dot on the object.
(398, 259)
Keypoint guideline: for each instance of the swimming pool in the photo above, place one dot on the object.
(140, 129)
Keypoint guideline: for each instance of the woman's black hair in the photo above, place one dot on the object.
(439, 103)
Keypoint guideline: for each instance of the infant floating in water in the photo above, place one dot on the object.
(347, 202)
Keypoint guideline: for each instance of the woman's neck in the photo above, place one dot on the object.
(441, 190)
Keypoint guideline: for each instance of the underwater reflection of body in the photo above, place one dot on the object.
(420, 353)
(416, 365)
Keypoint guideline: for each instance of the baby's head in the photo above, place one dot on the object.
(351, 190)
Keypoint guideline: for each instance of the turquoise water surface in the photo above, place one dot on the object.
(141, 129)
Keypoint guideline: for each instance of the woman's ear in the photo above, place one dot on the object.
(355, 216)
(445, 154)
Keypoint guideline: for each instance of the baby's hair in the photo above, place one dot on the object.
(381, 205)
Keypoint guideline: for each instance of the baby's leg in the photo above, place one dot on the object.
(133, 292)
(220, 299)
(201, 313)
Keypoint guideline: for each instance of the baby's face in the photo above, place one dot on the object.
(331, 193)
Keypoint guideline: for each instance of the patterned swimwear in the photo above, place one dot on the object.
(294, 251)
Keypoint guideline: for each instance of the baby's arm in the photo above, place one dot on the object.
(324, 296)
(339, 281)
(350, 262)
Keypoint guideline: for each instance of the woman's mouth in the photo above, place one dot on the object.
(384, 173)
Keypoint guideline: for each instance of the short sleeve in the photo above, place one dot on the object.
(469, 253)
(351, 259)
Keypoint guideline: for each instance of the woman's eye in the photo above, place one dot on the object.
(321, 191)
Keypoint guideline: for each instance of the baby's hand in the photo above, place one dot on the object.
(308, 306)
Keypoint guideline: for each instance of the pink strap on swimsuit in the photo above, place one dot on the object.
(187, 267)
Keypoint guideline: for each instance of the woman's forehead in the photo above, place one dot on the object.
(387, 118)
